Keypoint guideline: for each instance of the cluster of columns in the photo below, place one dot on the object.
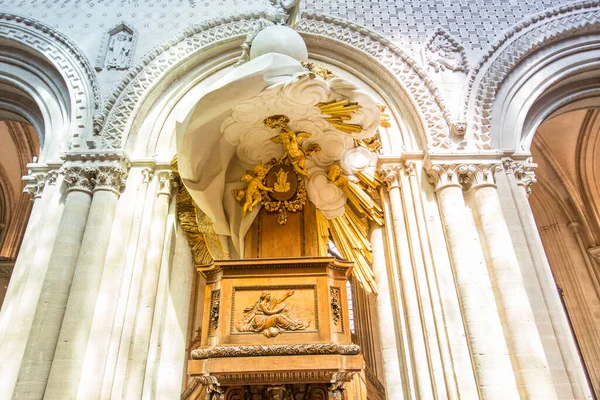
(82, 318)
(489, 323)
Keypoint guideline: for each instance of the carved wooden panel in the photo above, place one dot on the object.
(297, 238)
(272, 310)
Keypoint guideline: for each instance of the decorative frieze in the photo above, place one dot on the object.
(274, 350)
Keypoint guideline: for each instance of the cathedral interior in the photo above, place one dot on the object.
(299, 200)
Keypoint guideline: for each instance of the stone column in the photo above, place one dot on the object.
(521, 177)
(74, 334)
(416, 357)
(491, 358)
(147, 300)
(523, 337)
(41, 344)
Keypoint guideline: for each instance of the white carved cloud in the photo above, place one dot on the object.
(297, 98)
(223, 135)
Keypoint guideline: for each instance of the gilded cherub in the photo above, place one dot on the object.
(252, 192)
(291, 143)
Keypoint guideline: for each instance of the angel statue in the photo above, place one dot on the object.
(252, 193)
(291, 143)
(269, 316)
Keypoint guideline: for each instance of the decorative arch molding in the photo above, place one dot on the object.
(66, 58)
(588, 147)
(426, 96)
(532, 34)
(121, 107)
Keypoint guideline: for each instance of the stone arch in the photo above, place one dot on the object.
(428, 107)
(58, 68)
(522, 58)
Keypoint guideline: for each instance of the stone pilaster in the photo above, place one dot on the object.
(524, 340)
(107, 179)
(489, 350)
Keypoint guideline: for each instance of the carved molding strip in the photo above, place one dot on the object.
(142, 78)
(336, 308)
(275, 350)
(553, 25)
(53, 45)
(258, 378)
(215, 302)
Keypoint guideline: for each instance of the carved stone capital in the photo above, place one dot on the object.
(473, 176)
(390, 175)
(409, 168)
(35, 183)
(109, 177)
(443, 175)
(522, 171)
(166, 182)
(78, 177)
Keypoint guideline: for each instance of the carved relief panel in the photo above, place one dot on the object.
(117, 48)
(274, 309)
